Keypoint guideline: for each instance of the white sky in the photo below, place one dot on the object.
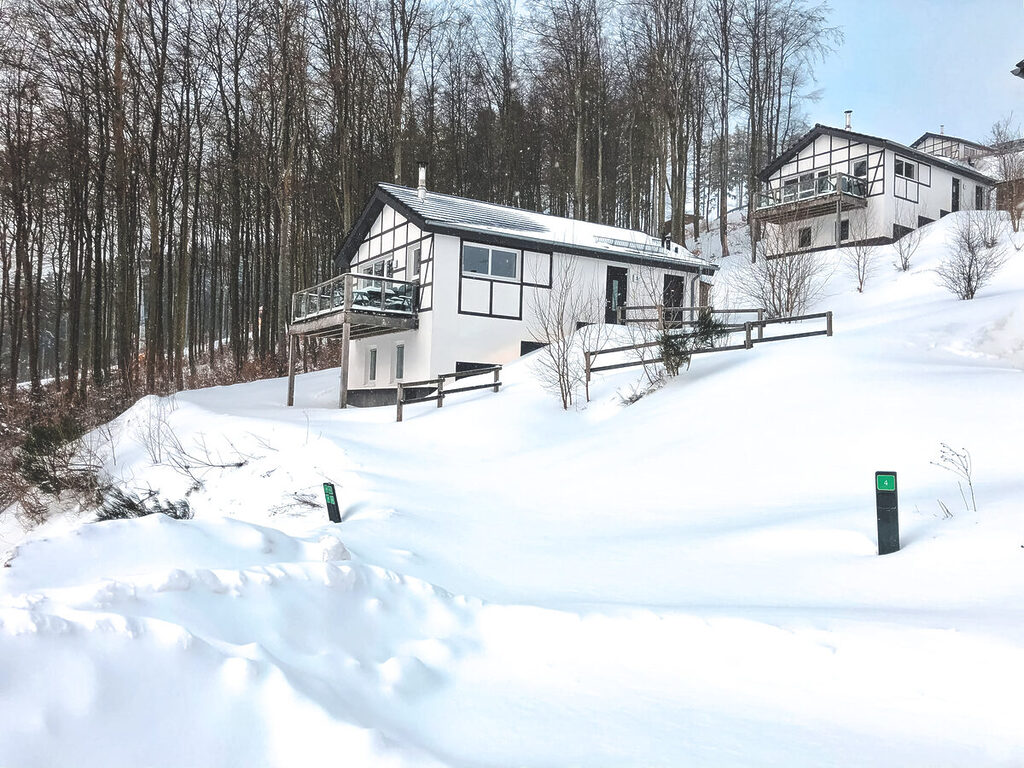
(908, 66)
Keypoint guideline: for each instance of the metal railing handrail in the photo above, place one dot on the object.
(844, 183)
(340, 292)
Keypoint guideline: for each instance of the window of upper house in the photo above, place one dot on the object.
(979, 197)
(486, 260)
(805, 237)
(906, 169)
(788, 190)
(860, 169)
(807, 185)
(844, 229)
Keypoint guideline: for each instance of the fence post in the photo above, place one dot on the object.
(497, 370)
(828, 323)
(440, 391)
(398, 400)
(760, 319)
(749, 342)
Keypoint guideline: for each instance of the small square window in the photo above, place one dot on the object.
(805, 237)
(503, 263)
(475, 259)
(860, 169)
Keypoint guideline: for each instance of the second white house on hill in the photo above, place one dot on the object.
(834, 187)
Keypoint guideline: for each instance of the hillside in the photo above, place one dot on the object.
(688, 580)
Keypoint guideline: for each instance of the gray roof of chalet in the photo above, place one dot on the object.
(494, 224)
(903, 149)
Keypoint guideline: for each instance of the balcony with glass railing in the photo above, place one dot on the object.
(364, 301)
(814, 196)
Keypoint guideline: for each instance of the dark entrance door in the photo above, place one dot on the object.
(956, 195)
(615, 294)
(673, 297)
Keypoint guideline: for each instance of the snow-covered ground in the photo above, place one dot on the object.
(689, 580)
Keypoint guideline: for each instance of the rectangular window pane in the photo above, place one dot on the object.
(474, 259)
(860, 168)
(373, 365)
(805, 237)
(899, 167)
(400, 361)
(503, 263)
(909, 170)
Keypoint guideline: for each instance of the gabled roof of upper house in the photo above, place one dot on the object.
(968, 142)
(903, 149)
(517, 228)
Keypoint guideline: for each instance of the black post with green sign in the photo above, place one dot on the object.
(887, 507)
(332, 503)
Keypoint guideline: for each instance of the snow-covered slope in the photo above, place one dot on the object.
(690, 580)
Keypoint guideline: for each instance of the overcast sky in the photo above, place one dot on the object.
(907, 66)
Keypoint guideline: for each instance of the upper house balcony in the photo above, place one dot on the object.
(811, 196)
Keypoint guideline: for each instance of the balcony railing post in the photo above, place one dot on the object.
(348, 292)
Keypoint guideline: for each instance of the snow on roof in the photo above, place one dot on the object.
(468, 215)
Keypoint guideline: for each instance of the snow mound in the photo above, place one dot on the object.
(690, 579)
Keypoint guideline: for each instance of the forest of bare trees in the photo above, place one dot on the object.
(171, 170)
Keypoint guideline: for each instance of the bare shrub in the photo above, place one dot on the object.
(907, 245)
(570, 304)
(976, 252)
(959, 463)
(782, 279)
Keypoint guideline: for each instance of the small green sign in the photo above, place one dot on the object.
(329, 493)
(885, 482)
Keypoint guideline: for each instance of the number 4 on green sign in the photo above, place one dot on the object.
(885, 482)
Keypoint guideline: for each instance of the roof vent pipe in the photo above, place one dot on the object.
(942, 129)
(849, 118)
(421, 189)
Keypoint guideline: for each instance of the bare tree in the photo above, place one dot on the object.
(976, 252)
(570, 303)
(859, 256)
(1008, 155)
(782, 279)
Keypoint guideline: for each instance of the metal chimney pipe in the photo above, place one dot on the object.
(849, 118)
(942, 129)
(421, 190)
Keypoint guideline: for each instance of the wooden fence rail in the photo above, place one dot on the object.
(400, 396)
(749, 340)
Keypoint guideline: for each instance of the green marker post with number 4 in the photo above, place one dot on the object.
(887, 511)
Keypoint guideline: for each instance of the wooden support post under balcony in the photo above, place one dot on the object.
(346, 338)
(293, 348)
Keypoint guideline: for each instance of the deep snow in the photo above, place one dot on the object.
(689, 580)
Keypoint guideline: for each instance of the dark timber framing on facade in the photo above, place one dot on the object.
(347, 321)
(875, 141)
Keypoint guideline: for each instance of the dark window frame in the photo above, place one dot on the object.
(804, 242)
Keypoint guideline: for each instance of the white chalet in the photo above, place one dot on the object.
(834, 187)
(431, 283)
